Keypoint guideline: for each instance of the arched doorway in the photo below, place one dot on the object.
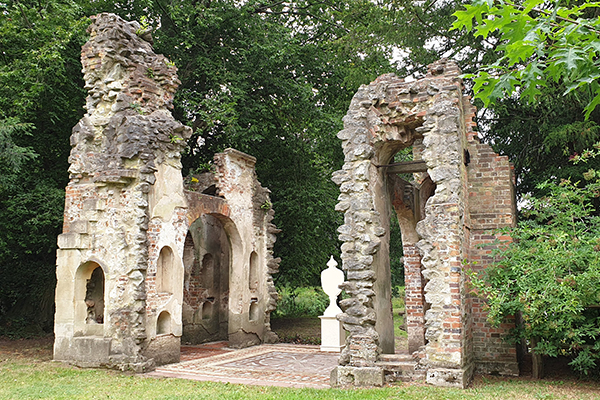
(400, 191)
(207, 259)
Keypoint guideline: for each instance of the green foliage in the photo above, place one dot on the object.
(398, 311)
(549, 274)
(396, 256)
(541, 43)
(19, 328)
(41, 93)
(540, 137)
(12, 156)
(300, 302)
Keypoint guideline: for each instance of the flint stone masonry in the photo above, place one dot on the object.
(444, 214)
(144, 260)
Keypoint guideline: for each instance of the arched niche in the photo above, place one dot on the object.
(254, 310)
(189, 259)
(90, 299)
(206, 310)
(163, 323)
(165, 271)
(253, 271)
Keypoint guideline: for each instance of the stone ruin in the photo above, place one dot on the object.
(456, 193)
(146, 261)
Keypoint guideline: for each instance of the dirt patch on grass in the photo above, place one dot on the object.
(297, 330)
(39, 349)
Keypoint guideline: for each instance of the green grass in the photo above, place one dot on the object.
(26, 372)
(22, 379)
(401, 337)
(397, 307)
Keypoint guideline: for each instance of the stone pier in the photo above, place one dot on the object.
(448, 199)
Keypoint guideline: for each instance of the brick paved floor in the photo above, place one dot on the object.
(268, 365)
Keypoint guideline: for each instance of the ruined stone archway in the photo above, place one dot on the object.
(216, 253)
(432, 114)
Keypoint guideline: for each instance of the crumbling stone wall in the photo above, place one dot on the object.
(123, 139)
(120, 263)
(243, 208)
(433, 117)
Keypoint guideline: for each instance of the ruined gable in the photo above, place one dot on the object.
(133, 237)
(448, 209)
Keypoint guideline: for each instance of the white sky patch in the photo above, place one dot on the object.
(398, 57)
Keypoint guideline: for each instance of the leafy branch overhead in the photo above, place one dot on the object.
(540, 42)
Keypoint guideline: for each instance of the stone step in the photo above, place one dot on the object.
(400, 367)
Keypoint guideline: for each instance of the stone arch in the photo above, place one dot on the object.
(218, 258)
(89, 299)
(383, 117)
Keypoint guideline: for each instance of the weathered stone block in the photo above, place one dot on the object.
(69, 241)
(357, 376)
(458, 378)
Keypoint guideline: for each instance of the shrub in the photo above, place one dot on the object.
(549, 274)
(308, 301)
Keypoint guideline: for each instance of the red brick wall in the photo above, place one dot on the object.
(491, 206)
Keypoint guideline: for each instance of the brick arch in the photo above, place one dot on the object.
(200, 204)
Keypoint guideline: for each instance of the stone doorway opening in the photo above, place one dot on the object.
(206, 260)
(402, 187)
(408, 188)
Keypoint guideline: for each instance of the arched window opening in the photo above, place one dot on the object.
(164, 271)
(94, 297)
(253, 312)
(253, 272)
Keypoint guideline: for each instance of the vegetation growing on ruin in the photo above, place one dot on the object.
(548, 275)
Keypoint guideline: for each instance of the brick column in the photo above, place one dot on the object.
(414, 300)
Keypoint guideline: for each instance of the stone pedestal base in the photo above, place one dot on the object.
(357, 376)
(333, 335)
(84, 351)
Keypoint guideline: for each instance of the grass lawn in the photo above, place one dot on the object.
(26, 372)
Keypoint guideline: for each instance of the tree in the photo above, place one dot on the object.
(541, 137)
(12, 156)
(549, 275)
(41, 94)
(540, 42)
